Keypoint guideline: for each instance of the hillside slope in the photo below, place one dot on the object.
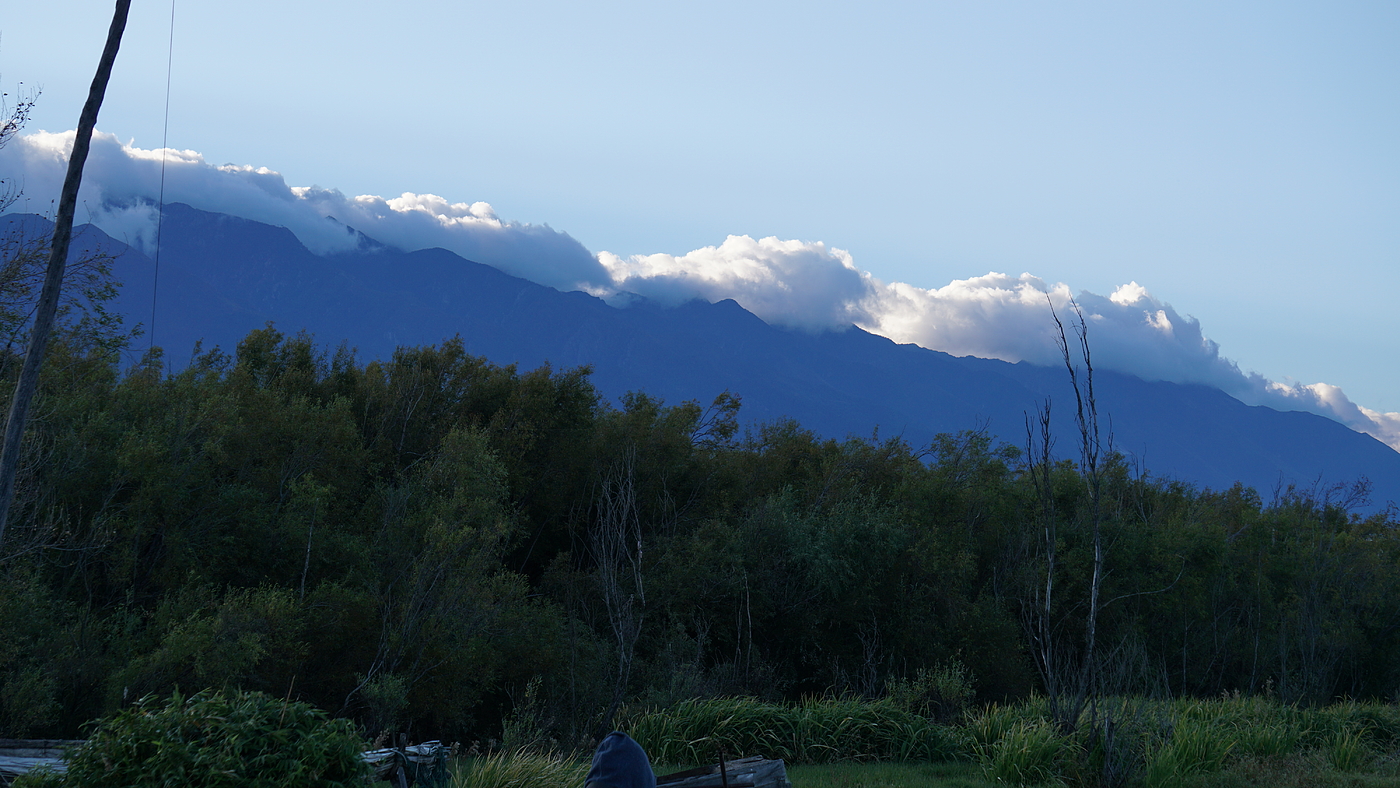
(221, 276)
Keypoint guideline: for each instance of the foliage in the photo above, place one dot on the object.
(942, 692)
(1029, 753)
(411, 543)
(1191, 747)
(817, 730)
(887, 775)
(520, 769)
(1347, 751)
(214, 739)
(1182, 742)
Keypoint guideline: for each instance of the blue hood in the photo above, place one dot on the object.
(620, 762)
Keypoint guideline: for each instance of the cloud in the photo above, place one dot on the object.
(812, 287)
(796, 284)
(121, 183)
(790, 283)
(1328, 400)
(998, 316)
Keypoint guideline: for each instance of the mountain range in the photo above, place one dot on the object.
(221, 276)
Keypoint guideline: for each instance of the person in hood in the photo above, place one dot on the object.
(620, 762)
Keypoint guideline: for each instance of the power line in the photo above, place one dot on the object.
(164, 152)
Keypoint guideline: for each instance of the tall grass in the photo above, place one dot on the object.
(888, 774)
(520, 769)
(1193, 746)
(984, 730)
(1346, 750)
(1030, 753)
(1132, 741)
(817, 730)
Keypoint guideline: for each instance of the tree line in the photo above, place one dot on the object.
(438, 544)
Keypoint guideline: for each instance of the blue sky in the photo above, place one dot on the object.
(1238, 160)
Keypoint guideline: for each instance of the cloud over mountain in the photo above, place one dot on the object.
(122, 182)
(789, 283)
(813, 287)
(798, 284)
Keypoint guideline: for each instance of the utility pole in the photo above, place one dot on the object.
(58, 258)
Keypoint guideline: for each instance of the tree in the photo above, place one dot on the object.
(1070, 671)
(617, 551)
(13, 122)
(58, 258)
(1086, 420)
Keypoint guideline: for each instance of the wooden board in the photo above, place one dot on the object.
(18, 756)
(752, 772)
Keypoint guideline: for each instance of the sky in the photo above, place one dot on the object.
(1218, 181)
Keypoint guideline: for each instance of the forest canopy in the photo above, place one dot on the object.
(439, 544)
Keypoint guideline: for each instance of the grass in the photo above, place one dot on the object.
(1030, 752)
(519, 770)
(1302, 770)
(1193, 746)
(548, 771)
(888, 775)
(817, 730)
(1305, 770)
(1228, 742)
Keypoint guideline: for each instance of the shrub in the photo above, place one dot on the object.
(942, 693)
(244, 740)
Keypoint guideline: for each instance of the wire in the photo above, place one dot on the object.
(164, 151)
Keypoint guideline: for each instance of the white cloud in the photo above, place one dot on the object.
(790, 283)
(121, 181)
(1330, 401)
(804, 285)
(1005, 317)
(1128, 294)
(812, 287)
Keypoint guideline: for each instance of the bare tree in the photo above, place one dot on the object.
(1039, 607)
(1086, 420)
(12, 120)
(1069, 670)
(616, 543)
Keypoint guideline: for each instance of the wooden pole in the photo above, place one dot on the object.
(58, 258)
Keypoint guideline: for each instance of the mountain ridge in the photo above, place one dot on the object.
(222, 276)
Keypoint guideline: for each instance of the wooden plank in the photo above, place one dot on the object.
(752, 772)
(12, 767)
(18, 756)
(36, 748)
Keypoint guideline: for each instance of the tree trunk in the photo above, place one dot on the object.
(58, 258)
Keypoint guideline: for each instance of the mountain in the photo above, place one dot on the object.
(221, 276)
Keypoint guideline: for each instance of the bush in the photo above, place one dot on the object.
(244, 740)
(942, 693)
